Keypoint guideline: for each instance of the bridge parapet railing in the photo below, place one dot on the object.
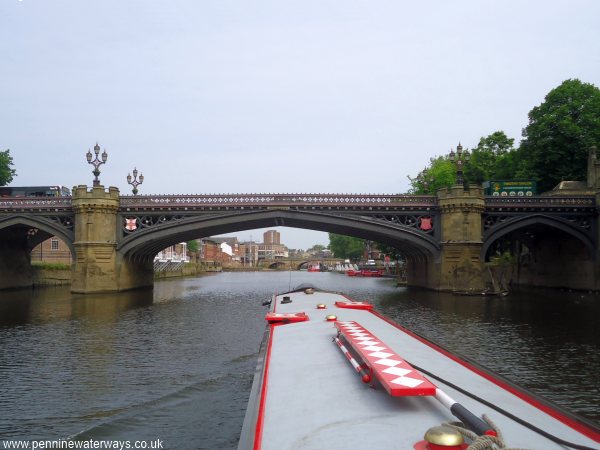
(37, 203)
(540, 201)
(236, 200)
(64, 203)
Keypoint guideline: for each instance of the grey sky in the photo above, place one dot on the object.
(275, 96)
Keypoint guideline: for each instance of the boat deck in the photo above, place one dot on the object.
(308, 396)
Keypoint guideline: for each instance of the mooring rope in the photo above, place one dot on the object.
(484, 442)
(505, 413)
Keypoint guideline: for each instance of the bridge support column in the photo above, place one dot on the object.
(98, 267)
(461, 267)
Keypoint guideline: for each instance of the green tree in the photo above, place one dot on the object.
(6, 171)
(507, 167)
(438, 174)
(192, 246)
(316, 248)
(346, 246)
(388, 250)
(559, 134)
(492, 159)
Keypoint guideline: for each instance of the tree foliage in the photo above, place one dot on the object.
(346, 246)
(559, 134)
(6, 171)
(492, 159)
(192, 246)
(388, 250)
(555, 146)
(438, 174)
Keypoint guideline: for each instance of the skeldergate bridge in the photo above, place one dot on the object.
(446, 238)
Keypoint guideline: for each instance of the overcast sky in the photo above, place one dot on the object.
(319, 96)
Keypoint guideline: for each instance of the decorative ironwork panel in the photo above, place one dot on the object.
(582, 221)
(36, 204)
(150, 211)
(289, 200)
(424, 223)
(66, 221)
(493, 202)
(578, 212)
(132, 223)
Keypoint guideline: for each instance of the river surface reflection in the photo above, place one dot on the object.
(177, 362)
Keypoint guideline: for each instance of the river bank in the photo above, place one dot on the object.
(50, 274)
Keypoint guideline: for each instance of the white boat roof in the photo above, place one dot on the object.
(310, 397)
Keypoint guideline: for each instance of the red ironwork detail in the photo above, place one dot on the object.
(426, 224)
(131, 224)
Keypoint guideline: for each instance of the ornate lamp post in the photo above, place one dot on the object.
(135, 183)
(459, 158)
(96, 162)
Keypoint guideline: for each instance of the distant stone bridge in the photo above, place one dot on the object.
(297, 263)
(446, 238)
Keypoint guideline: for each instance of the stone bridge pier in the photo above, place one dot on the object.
(98, 266)
(461, 267)
(458, 267)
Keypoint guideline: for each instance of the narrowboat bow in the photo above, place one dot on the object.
(335, 374)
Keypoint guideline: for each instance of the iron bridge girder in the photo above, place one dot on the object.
(138, 222)
(577, 216)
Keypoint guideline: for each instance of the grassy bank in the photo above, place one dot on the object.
(50, 274)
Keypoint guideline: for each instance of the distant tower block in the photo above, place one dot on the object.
(272, 237)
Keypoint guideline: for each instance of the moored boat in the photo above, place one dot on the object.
(371, 272)
(365, 272)
(306, 392)
(314, 267)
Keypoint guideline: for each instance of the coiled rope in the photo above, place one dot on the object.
(483, 442)
(504, 412)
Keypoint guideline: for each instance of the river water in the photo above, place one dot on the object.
(176, 363)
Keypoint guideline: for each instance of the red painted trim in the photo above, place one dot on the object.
(578, 426)
(285, 318)
(263, 393)
(354, 305)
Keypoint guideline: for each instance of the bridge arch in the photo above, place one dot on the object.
(144, 244)
(46, 229)
(303, 264)
(522, 223)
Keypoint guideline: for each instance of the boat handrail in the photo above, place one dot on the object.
(395, 375)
